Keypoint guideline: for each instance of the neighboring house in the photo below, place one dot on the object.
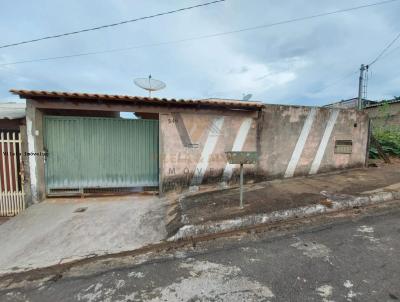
(12, 127)
(350, 103)
(12, 115)
(78, 145)
(385, 113)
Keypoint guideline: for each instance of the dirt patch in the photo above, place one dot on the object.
(225, 205)
(284, 194)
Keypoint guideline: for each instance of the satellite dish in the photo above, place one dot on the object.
(149, 84)
(247, 97)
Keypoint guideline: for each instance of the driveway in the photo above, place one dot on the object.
(60, 230)
(3, 219)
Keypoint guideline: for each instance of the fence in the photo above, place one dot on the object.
(12, 198)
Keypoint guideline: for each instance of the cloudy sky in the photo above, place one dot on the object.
(311, 62)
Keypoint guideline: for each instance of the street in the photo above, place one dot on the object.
(350, 260)
(199, 151)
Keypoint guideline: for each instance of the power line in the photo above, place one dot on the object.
(383, 54)
(203, 36)
(384, 50)
(390, 52)
(111, 25)
(363, 80)
(339, 80)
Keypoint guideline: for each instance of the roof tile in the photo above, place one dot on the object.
(234, 104)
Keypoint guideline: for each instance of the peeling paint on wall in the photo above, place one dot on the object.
(293, 113)
(301, 141)
(324, 142)
(291, 141)
(280, 133)
(237, 146)
(194, 151)
(214, 133)
(32, 160)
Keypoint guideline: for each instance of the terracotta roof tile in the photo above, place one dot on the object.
(233, 104)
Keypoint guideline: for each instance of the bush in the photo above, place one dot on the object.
(389, 138)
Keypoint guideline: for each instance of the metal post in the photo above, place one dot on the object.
(360, 87)
(241, 186)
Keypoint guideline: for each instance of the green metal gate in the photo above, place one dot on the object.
(100, 152)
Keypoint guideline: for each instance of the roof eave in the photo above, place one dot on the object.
(230, 105)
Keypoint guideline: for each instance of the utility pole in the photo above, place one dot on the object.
(360, 86)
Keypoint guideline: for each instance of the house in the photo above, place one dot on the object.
(12, 115)
(12, 127)
(384, 113)
(77, 144)
(350, 103)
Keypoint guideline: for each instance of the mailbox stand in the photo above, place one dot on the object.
(241, 186)
(245, 157)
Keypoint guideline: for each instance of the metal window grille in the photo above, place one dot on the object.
(343, 147)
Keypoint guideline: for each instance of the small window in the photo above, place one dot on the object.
(343, 147)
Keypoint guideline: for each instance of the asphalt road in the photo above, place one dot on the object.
(351, 260)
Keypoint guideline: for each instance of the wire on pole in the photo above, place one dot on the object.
(110, 25)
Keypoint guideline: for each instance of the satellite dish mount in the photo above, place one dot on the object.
(149, 84)
(247, 97)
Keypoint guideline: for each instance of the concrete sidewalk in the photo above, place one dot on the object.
(64, 230)
(54, 232)
(281, 195)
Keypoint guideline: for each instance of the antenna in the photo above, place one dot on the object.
(150, 84)
(246, 97)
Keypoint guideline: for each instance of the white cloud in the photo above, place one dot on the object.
(255, 78)
(291, 63)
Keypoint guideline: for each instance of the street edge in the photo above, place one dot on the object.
(225, 228)
(332, 203)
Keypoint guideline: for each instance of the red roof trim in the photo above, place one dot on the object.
(138, 99)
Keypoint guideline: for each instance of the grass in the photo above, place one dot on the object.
(389, 138)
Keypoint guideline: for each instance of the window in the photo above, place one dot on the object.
(343, 147)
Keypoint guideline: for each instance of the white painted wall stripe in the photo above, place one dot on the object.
(324, 142)
(298, 149)
(238, 146)
(32, 160)
(212, 138)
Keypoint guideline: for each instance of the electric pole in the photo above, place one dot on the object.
(360, 86)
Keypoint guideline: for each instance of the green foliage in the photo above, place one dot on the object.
(384, 110)
(373, 152)
(389, 138)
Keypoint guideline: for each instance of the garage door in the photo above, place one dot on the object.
(100, 153)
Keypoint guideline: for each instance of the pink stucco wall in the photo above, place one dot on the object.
(193, 145)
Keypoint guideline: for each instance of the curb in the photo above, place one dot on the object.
(333, 203)
(53, 273)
